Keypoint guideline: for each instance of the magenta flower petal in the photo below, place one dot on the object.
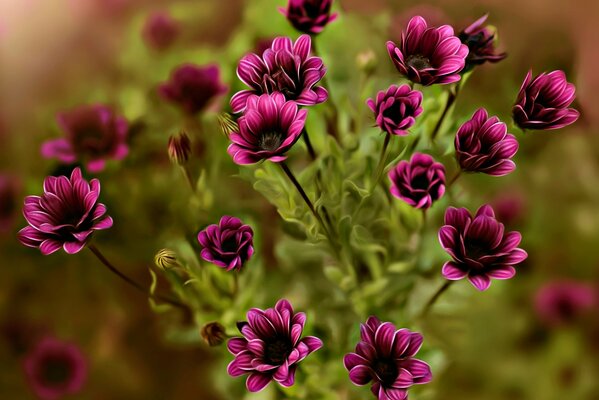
(428, 55)
(384, 357)
(396, 108)
(270, 347)
(543, 102)
(481, 44)
(160, 30)
(419, 182)
(479, 246)
(228, 245)
(65, 216)
(309, 16)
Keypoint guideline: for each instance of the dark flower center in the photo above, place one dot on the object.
(394, 113)
(420, 182)
(418, 62)
(476, 248)
(386, 369)
(230, 245)
(270, 141)
(91, 140)
(277, 350)
(312, 8)
(565, 309)
(56, 371)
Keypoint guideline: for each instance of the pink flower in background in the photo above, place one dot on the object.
(480, 247)
(309, 16)
(269, 127)
(562, 302)
(65, 216)
(419, 182)
(287, 68)
(55, 369)
(543, 102)
(228, 245)
(160, 30)
(428, 55)
(483, 145)
(93, 135)
(193, 88)
(481, 44)
(271, 346)
(396, 109)
(385, 356)
(510, 206)
(10, 187)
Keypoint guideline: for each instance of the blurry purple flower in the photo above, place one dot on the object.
(543, 102)
(385, 356)
(480, 248)
(309, 16)
(419, 182)
(286, 67)
(481, 44)
(64, 216)
(267, 129)
(396, 109)
(160, 30)
(228, 245)
(562, 302)
(94, 133)
(509, 207)
(482, 144)
(10, 187)
(193, 88)
(55, 369)
(428, 55)
(271, 346)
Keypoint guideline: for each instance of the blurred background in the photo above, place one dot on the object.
(525, 340)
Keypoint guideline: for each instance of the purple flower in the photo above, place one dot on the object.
(419, 182)
(543, 102)
(396, 109)
(10, 187)
(428, 55)
(481, 44)
(94, 133)
(562, 302)
(287, 68)
(271, 346)
(160, 30)
(480, 248)
(193, 88)
(269, 127)
(64, 216)
(55, 369)
(482, 144)
(510, 206)
(228, 244)
(309, 16)
(385, 356)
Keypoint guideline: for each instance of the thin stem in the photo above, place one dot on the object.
(308, 144)
(380, 168)
(302, 193)
(454, 179)
(188, 177)
(235, 284)
(332, 119)
(131, 282)
(435, 297)
(450, 100)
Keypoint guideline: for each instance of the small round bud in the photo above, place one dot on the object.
(213, 333)
(179, 148)
(166, 259)
(227, 123)
(367, 61)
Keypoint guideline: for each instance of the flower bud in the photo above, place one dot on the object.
(179, 148)
(367, 61)
(227, 123)
(213, 333)
(166, 259)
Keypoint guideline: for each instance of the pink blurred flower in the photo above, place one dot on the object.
(561, 302)
(160, 30)
(309, 16)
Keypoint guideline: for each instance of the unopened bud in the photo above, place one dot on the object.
(166, 259)
(227, 123)
(213, 333)
(179, 148)
(367, 61)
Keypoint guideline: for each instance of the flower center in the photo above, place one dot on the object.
(418, 62)
(386, 370)
(230, 245)
(270, 141)
(277, 351)
(476, 249)
(420, 182)
(56, 371)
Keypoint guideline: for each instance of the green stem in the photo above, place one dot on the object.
(451, 98)
(133, 283)
(454, 179)
(435, 297)
(381, 166)
(309, 144)
(188, 177)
